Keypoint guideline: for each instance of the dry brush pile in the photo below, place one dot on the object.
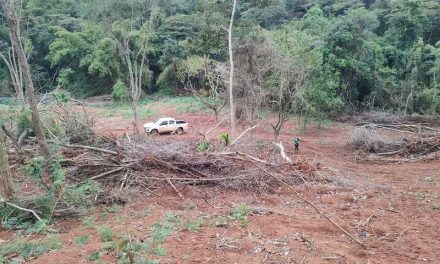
(395, 142)
(151, 163)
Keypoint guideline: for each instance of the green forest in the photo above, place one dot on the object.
(341, 56)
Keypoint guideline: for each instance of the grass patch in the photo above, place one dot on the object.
(184, 104)
(220, 222)
(428, 179)
(142, 113)
(106, 234)
(95, 255)
(241, 214)
(193, 225)
(81, 240)
(30, 248)
(89, 221)
(123, 110)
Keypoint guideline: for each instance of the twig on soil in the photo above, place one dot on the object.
(111, 172)
(312, 205)
(417, 182)
(401, 233)
(303, 259)
(91, 148)
(282, 152)
(366, 221)
(177, 191)
(331, 258)
(2, 200)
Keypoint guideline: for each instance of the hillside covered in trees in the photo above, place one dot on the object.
(346, 55)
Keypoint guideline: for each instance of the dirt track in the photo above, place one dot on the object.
(401, 202)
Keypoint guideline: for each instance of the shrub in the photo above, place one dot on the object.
(241, 214)
(120, 92)
(24, 121)
(62, 96)
(203, 146)
(225, 138)
(364, 138)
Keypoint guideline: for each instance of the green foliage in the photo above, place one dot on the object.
(167, 81)
(224, 137)
(36, 167)
(203, 146)
(147, 251)
(120, 92)
(161, 231)
(193, 225)
(106, 234)
(81, 240)
(65, 77)
(89, 221)
(78, 197)
(81, 195)
(241, 214)
(62, 96)
(24, 121)
(30, 248)
(360, 54)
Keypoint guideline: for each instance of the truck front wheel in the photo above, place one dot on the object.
(179, 131)
(154, 132)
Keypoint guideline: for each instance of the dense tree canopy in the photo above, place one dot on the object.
(360, 54)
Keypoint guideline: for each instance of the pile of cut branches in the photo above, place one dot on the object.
(410, 143)
(150, 164)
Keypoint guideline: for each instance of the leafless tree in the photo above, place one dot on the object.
(6, 184)
(286, 90)
(11, 11)
(132, 48)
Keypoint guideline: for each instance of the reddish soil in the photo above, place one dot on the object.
(401, 202)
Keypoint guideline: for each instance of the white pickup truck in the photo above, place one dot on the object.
(166, 125)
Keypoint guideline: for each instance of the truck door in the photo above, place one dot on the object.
(171, 126)
(163, 126)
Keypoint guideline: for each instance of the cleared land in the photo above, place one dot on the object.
(392, 208)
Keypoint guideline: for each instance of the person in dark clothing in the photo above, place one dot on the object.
(296, 143)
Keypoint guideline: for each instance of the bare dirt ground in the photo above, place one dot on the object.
(394, 209)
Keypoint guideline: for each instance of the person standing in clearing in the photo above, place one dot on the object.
(296, 143)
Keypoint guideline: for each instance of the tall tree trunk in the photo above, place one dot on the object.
(231, 74)
(135, 117)
(6, 184)
(14, 27)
